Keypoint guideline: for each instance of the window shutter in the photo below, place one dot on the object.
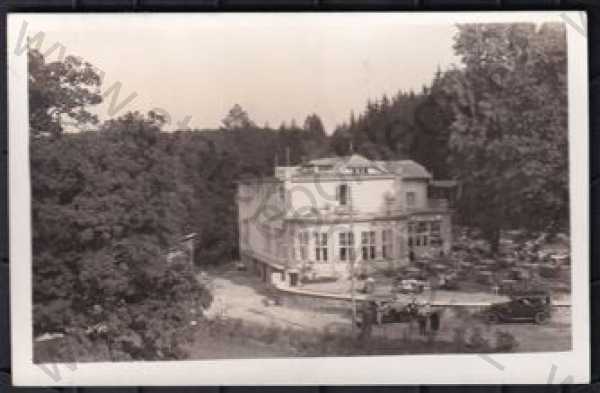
(337, 193)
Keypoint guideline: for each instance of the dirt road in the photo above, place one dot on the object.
(238, 295)
(241, 295)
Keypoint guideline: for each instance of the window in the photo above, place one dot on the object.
(320, 246)
(360, 171)
(346, 246)
(303, 245)
(435, 233)
(424, 233)
(368, 245)
(386, 243)
(342, 194)
(436, 241)
(411, 198)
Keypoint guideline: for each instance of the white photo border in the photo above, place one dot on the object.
(547, 367)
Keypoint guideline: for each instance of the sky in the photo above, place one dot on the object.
(278, 67)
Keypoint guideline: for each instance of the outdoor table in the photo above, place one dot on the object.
(412, 269)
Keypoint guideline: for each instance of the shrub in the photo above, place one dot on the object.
(459, 339)
(477, 342)
(505, 342)
(271, 334)
(140, 315)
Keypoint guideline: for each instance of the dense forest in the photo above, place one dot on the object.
(108, 204)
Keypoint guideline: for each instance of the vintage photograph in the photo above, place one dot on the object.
(294, 187)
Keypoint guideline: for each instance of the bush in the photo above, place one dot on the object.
(505, 342)
(477, 342)
(271, 334)
(459, 339)
(139, 316)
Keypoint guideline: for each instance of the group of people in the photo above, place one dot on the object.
(427, 319)
(382, 312)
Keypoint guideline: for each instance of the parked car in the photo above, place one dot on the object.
(410, 285)
(449, 281)
(526, 306)
(411, 272)
(556, 260)
(519, 274)
(390, 309)
(411, 279)
(383, 310)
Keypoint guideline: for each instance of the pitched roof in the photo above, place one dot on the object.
(353, 161)
(357, 161)
(407, 169)
(325, 161)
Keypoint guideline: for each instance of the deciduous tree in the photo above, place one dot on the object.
(508, 141)
(61, 89)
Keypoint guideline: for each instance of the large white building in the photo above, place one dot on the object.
(327, 214)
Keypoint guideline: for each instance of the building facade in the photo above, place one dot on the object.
(330, 216)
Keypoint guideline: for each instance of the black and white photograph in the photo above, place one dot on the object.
(292, 198)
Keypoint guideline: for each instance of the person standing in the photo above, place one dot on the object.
(434, 322)
(422, 320)
(422, 317)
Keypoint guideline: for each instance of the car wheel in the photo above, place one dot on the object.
(492, 318)
(542, 318)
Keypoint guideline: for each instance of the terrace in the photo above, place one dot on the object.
(469, 274)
